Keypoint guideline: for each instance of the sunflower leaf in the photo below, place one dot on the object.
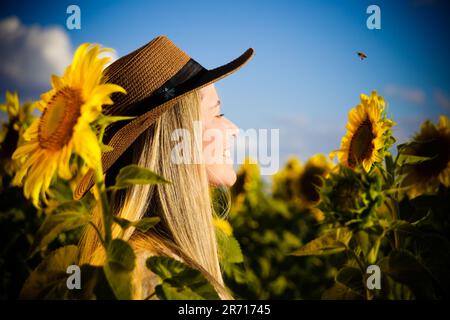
(229, 249)
(327, 244)
(120, 255)
(352, 278)
(68, 216)
(411, 159)
(50, 275)
(166, 291)
(142, 225)
(405, 268)
(179, 281)
(134, 174)
(118, 268)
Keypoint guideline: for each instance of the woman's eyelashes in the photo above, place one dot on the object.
(220, 115)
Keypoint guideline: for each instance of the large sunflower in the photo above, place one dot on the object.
(431, 142)
(74, 102)
(368, 134)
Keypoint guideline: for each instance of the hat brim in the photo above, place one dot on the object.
(124, 137)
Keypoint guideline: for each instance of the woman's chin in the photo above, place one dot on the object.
(221, 175)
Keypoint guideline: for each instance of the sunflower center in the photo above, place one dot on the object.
(361, 146)
(59, 118)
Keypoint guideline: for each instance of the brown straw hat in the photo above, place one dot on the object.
(155, 77)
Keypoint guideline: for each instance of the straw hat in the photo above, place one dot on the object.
(155, 77)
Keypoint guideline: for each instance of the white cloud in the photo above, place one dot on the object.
(31, 54)
(408, 94)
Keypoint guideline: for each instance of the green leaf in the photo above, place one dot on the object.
(362, 239)
(120, 255)
(403, 267)
(179, 281)
(330, 243)
(134, 174)
(407, 159)
(166, 291)
(119, 281)
(61, 191)
(340, 292)
(142, 225)
(118, 268)
(50, 275)
(228, 248)
(165, 267)
(146, 223)
(66, 217)
(353, 279)
(390, 169)
(373, 253)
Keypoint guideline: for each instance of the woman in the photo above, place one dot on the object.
(166, 91)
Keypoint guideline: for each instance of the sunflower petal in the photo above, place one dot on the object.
(86, 145)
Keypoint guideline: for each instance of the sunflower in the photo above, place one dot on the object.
(431, 142)
(248, 184)
(350, 197)
(19, 119)
(283, 186)
(223, 225)
(311, 179)
(19, 116)
(368, 134)
(68, 109)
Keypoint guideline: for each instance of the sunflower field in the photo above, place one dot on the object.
(317, 230)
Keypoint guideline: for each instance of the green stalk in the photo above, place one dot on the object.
(106, 212)
(394, 216)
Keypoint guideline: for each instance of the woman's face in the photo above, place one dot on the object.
(217, 132)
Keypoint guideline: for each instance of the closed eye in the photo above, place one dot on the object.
(220, 115)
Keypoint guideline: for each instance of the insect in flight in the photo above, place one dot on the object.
(361, 55)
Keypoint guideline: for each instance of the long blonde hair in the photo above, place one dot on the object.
(184, 206)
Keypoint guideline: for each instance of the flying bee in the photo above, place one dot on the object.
(361, 55)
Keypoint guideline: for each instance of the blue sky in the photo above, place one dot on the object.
(305, 76)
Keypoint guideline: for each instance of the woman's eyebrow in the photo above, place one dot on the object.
(216, 105)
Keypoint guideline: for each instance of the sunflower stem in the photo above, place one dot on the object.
(355, 256)
(394, 219)
(107, 219)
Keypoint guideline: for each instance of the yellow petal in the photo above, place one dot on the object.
(32, 132)
(86, 144)
(64, 162)
(57, 82)
(25, 150)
